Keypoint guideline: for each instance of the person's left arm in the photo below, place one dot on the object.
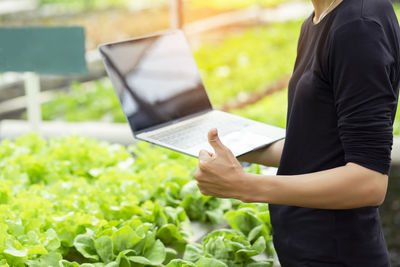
(351, 186)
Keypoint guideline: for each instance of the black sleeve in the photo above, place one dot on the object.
(360, 69)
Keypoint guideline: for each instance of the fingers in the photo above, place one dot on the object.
(204, 155)
(214, 141)
(204, 158)
(197, 174)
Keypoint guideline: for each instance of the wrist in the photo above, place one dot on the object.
(259, 188)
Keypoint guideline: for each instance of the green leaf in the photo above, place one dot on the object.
(19, 253)
(216, 216)
(146, 242)
(65, 263)
(142, 229)
(189, 189)
(32, 238)
(243, 220)
(124, 238)
(36, 250)
(210, 262)
(261, 264)
(156, 253)
(169, 234)
(85, 245)
(180, 263)
(104, 248)
(170, 254)
(225, 203)
(52, 241)
(193, 252)
(14, 249)
(49, 260)
(139, 259)
(255, 232)
(259, 245)
(112, 264)
(122, 260)
(159, 214)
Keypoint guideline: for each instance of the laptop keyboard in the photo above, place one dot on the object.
(194, 132)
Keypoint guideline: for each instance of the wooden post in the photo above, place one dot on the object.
(176, 14)
(32, 91)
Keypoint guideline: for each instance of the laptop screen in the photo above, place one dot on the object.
(155, 78)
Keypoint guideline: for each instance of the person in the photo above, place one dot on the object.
(334, 162)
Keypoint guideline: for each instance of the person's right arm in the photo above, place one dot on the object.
(267, 156)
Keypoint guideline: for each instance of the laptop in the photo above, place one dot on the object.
(162, 95)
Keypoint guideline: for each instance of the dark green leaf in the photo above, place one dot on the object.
(85, 245)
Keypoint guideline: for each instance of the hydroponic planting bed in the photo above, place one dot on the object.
(77, 202)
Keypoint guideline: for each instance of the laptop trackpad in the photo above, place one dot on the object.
(241, 142)
(238, 142)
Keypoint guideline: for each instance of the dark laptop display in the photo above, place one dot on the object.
(156, 79)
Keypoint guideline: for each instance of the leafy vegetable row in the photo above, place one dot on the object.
(78, 202)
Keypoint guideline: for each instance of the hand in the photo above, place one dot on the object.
(220, 174)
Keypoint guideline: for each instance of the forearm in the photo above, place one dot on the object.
(345, 187)
(268, 156)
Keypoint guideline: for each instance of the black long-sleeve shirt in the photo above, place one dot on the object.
(342, 101)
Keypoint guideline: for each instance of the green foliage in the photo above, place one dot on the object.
(96, 101)
(226, 247)
(396, 7)
(248, 62)
(271, 109)
(85, 4)
(180, 263)
(77, 202)
(253, 220)
(233, 4)
(396, 124)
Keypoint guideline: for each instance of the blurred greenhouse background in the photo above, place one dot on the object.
(98, 197)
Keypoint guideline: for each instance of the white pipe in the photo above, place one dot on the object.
(111, 132)
(32, 91)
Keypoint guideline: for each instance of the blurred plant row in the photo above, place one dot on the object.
(233, 69)
(213, 4)
(77, 202)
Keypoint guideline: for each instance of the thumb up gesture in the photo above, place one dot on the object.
(220, 174)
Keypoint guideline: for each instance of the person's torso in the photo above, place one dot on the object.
(312, 138)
